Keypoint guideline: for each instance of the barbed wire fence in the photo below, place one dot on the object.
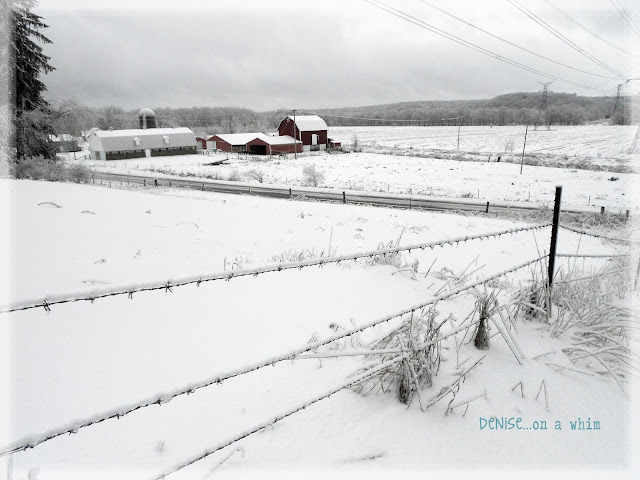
(168, 285)
(310, 349)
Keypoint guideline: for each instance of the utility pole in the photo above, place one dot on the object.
(523, 147)
(543, 104)
(295, 137)
(457, 119)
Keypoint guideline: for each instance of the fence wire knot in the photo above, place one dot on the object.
(46, 307)
(167, 288)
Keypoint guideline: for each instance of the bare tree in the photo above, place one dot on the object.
(312, 176)
(257, 175)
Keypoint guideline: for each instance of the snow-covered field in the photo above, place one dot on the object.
(82, 358)
(593, 146)
(372, 172)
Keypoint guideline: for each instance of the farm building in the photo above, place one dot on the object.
(134, 143)
(65, 143)
(268, 145)
(256, 143)
(310, 129)
(201, 143)
(230, 142)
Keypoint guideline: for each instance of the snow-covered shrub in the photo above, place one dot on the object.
(312, 176)
(414, 373)
(39, 168)
(234, 176)
(257, 175)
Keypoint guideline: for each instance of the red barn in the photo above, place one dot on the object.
(231, 142)
(310, 129)
(268, 145)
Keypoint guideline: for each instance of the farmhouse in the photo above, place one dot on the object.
(310, 129)
(255, 143)
(140, 142)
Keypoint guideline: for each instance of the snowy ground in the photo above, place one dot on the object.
(583, 146)
(491, 181)
(82, 358)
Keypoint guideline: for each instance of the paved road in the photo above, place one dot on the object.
(324, 194)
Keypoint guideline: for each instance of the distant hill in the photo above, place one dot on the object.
(509, 109)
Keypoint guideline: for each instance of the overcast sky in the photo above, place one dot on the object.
(272, 54)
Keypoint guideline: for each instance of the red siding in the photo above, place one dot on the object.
(221, 144)
(286, 148)
(286, 128)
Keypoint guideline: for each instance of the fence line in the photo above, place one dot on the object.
(160, 399)
(597, 235)
(604, 255)
(266, 424)
(602, 274)
(167, 285)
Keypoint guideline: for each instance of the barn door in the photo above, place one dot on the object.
(314, 139)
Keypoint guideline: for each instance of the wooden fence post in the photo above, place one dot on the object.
(554, 233)
(487, 210)
(344, 197)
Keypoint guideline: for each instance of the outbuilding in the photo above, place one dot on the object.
(231, 142)
(311, 130)
(269, 145)
(139, 142)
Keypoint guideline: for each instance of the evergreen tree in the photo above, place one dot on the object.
(31, 112)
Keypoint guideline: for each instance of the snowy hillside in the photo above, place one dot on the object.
(83, 358)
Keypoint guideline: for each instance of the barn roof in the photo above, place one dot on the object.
(277, 140)
(140, 139)
(306, 123)
(236, 138)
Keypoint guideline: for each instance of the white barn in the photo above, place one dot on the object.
(135, 143)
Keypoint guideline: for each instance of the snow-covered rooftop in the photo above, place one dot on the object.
(306, 123)
(278, 140)
(136, 132)
(237, 138)
(140, 139)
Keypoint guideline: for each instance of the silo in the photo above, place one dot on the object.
(147, 118)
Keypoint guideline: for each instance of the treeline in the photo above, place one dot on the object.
(509, 109)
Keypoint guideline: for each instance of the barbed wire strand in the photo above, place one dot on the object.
(262, 426)
(580, 255)
(168, 285)
(595, 276)
(597, 235)
(162, 398)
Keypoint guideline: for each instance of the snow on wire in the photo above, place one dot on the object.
(167, 285)
(597, 235)
(262, 426)
(162, 398)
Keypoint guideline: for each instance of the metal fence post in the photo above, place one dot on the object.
(554, 233)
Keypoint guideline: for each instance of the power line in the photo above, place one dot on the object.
(453, 38)
(511, 43)
(626, 15)
(559, 35)
(571, 19)
(362, 118)
(168, 285)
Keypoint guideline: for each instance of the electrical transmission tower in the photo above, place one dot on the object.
(543, 104)
(615, 107)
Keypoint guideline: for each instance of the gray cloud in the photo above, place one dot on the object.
(311, 56)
